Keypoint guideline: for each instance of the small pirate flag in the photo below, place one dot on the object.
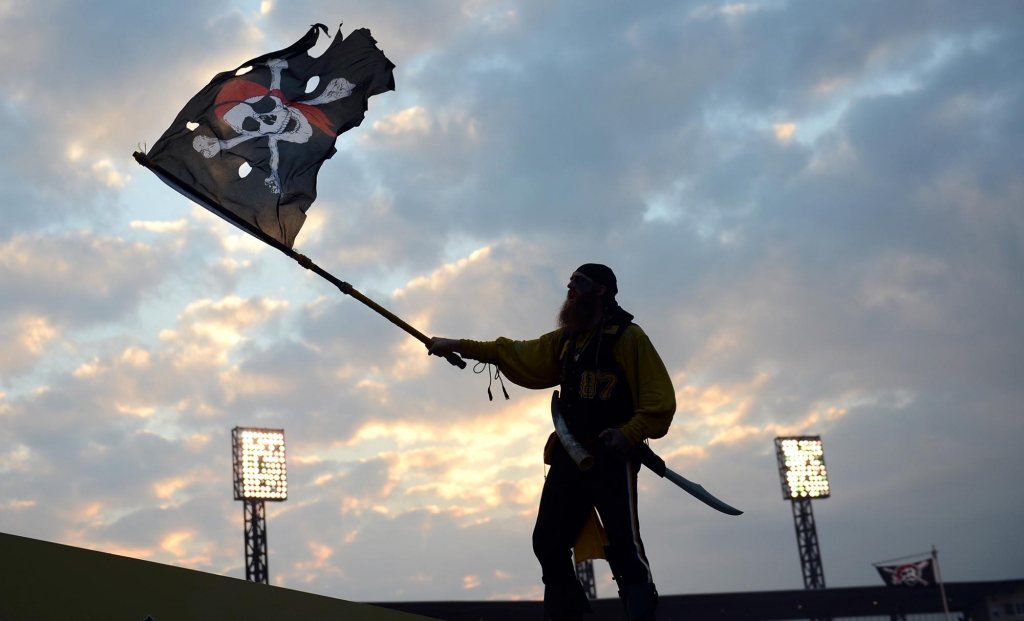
(916, 574)
(249, 145)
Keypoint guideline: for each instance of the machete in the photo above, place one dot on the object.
(646, 456)
(657, 466)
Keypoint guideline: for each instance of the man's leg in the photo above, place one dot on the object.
(565, 504)
(616, 501)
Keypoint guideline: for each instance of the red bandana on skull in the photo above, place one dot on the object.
(241, 91)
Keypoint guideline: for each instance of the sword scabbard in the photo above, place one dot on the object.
(578, 454)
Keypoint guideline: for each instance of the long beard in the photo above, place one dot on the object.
(577, 313)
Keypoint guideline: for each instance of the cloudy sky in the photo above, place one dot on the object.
(814, 210)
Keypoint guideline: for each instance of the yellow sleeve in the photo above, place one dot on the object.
(653, 395)
(530, 364)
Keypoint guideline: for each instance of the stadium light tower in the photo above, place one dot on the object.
(804, 478)
(260, 474)
(585, 573)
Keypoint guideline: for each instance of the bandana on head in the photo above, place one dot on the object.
(601, 275)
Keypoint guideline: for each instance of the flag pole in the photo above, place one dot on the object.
(942, 587)
(304, 261)
(349, 290)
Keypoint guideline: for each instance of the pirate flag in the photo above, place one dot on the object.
(249, 145)
(918, 574)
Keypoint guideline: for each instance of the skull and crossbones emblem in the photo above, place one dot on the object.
(908, 574)
(255, 111)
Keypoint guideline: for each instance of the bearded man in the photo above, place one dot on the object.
(614, 394)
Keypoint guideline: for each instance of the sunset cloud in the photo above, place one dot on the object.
(815, 218)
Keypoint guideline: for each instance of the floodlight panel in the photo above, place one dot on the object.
(802, 467)
(261, 471)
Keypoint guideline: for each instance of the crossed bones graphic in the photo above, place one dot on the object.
(255, 111)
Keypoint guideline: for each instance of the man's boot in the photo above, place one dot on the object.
(640, 601)
(565, 602)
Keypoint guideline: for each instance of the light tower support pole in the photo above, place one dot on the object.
(255, 517)
(807, 544)
(585, 572)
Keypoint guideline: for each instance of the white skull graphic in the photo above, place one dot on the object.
(266, 114)
(908, 574)
(267, 117)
